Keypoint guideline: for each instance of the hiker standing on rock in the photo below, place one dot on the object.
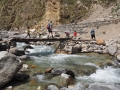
(49, 27)
(92, 34)
(28, 32)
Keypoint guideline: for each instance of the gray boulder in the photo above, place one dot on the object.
(103, 86)
(58, 71)
(17, 52)
(112, 49)
(9, 66)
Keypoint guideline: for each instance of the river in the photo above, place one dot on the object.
(43, 57)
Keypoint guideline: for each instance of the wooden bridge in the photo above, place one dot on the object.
(38, 39)
(48, 39)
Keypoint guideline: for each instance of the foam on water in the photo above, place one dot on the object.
(57, 58)
(41, 50)
(19, 45)
(40, 77)
(108, 75)
(78, 86)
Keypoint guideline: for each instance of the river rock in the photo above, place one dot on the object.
(9, 88)
(24, 57)
(39, 88)
(20, 77)
(13, 51)
(100, 42)
(112, 49)
(71, 73)
(17, 52)
(68, 48)
(118, 57)
(98, 51)
(3, 47)
(27, 47)
(103, 86)
(76, 49)
(48, 70)
(52, 87)
(10, 65)
(65, 80)
(58, 71)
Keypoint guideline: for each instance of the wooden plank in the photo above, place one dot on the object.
(35, 40)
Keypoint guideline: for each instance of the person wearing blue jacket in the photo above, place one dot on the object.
(92, 32)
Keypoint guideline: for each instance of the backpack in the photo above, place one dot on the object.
(48, 26)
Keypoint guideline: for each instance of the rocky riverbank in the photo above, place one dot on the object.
(11, 54)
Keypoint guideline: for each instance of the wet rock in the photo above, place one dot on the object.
(27, 47)
(17, 52)
(13, 51)
(9, 88)
(65, 80)
(58, 71)
(20, 77)
(98, 51)
(32, 66)
(118, 57)
(24, 57)
(20, 52)
(68, 48)
(103, 86)
(86, 70)
(9, 66)
(3, 47)
(112, 49)
(52, 87)
(76, 49)
(39, 88)
(71, 73)
(93, 42)
(48, 70)
(24, 68)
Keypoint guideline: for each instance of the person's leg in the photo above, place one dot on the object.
(51, 34)
(29, 35)
(48, 33)
(26, 36)
(94, 36)
(91, 36)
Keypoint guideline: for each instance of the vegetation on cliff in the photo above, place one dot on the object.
(19, 13)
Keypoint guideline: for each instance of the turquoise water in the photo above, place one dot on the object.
(84, 65)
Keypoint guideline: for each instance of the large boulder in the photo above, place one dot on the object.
(17, 52)
(100, 42)
(9, 66)
(103, 86)
(112, 49)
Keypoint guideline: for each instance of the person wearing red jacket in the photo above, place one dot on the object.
(75, 34)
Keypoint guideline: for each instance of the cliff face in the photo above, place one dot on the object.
(19, 13)
(16, 13)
